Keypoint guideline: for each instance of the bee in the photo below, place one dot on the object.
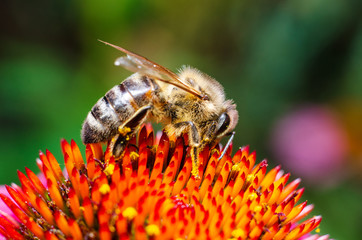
(188, 102)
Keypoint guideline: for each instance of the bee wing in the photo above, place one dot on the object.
(130, 64)
(136, 63)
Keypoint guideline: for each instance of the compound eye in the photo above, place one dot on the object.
(223, 124)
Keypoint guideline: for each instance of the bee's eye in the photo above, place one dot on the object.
(223, 124)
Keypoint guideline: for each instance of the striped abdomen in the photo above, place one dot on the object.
(118, 105)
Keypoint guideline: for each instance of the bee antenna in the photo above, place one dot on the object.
(99, 40)
(114, 46)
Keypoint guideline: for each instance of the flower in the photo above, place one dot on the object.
(150, 193)
(315, 129)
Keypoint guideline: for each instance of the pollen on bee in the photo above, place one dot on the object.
(124, 130)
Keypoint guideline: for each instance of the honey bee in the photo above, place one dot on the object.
(188, 102)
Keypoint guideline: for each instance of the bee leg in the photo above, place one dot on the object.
(118, 144)
(210, 134)
(215, 127)
(134, 121)
(227, 146)
(194, 138)
(127, 129)
(195, 162)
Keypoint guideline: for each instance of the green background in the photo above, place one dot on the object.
(271, 57)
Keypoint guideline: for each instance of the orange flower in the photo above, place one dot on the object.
(150, 193)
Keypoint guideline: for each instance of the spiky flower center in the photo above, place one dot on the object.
(150, 193)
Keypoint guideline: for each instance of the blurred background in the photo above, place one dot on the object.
(292, 67)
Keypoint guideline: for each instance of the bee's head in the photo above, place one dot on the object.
(227, 120)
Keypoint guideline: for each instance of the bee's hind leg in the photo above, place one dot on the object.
(127, 129)
(118, 144)
(194, 138)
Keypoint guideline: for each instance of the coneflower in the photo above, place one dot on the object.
(150, 193)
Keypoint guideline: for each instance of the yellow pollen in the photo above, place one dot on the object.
(238, 233)
(257, 208)
(206, 139)
(109, 170)
(81, 208)
(235, 168)
(134, 155)
(123, 131)
(117, 211)
(252, 196)
(153, 230)
(112, 228)
(113, 140)
(105, 188)
(249, 177)
(129, 213)
(195, 173)
(318, 230)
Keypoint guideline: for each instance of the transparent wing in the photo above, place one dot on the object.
(136, 63)
(130, 64)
